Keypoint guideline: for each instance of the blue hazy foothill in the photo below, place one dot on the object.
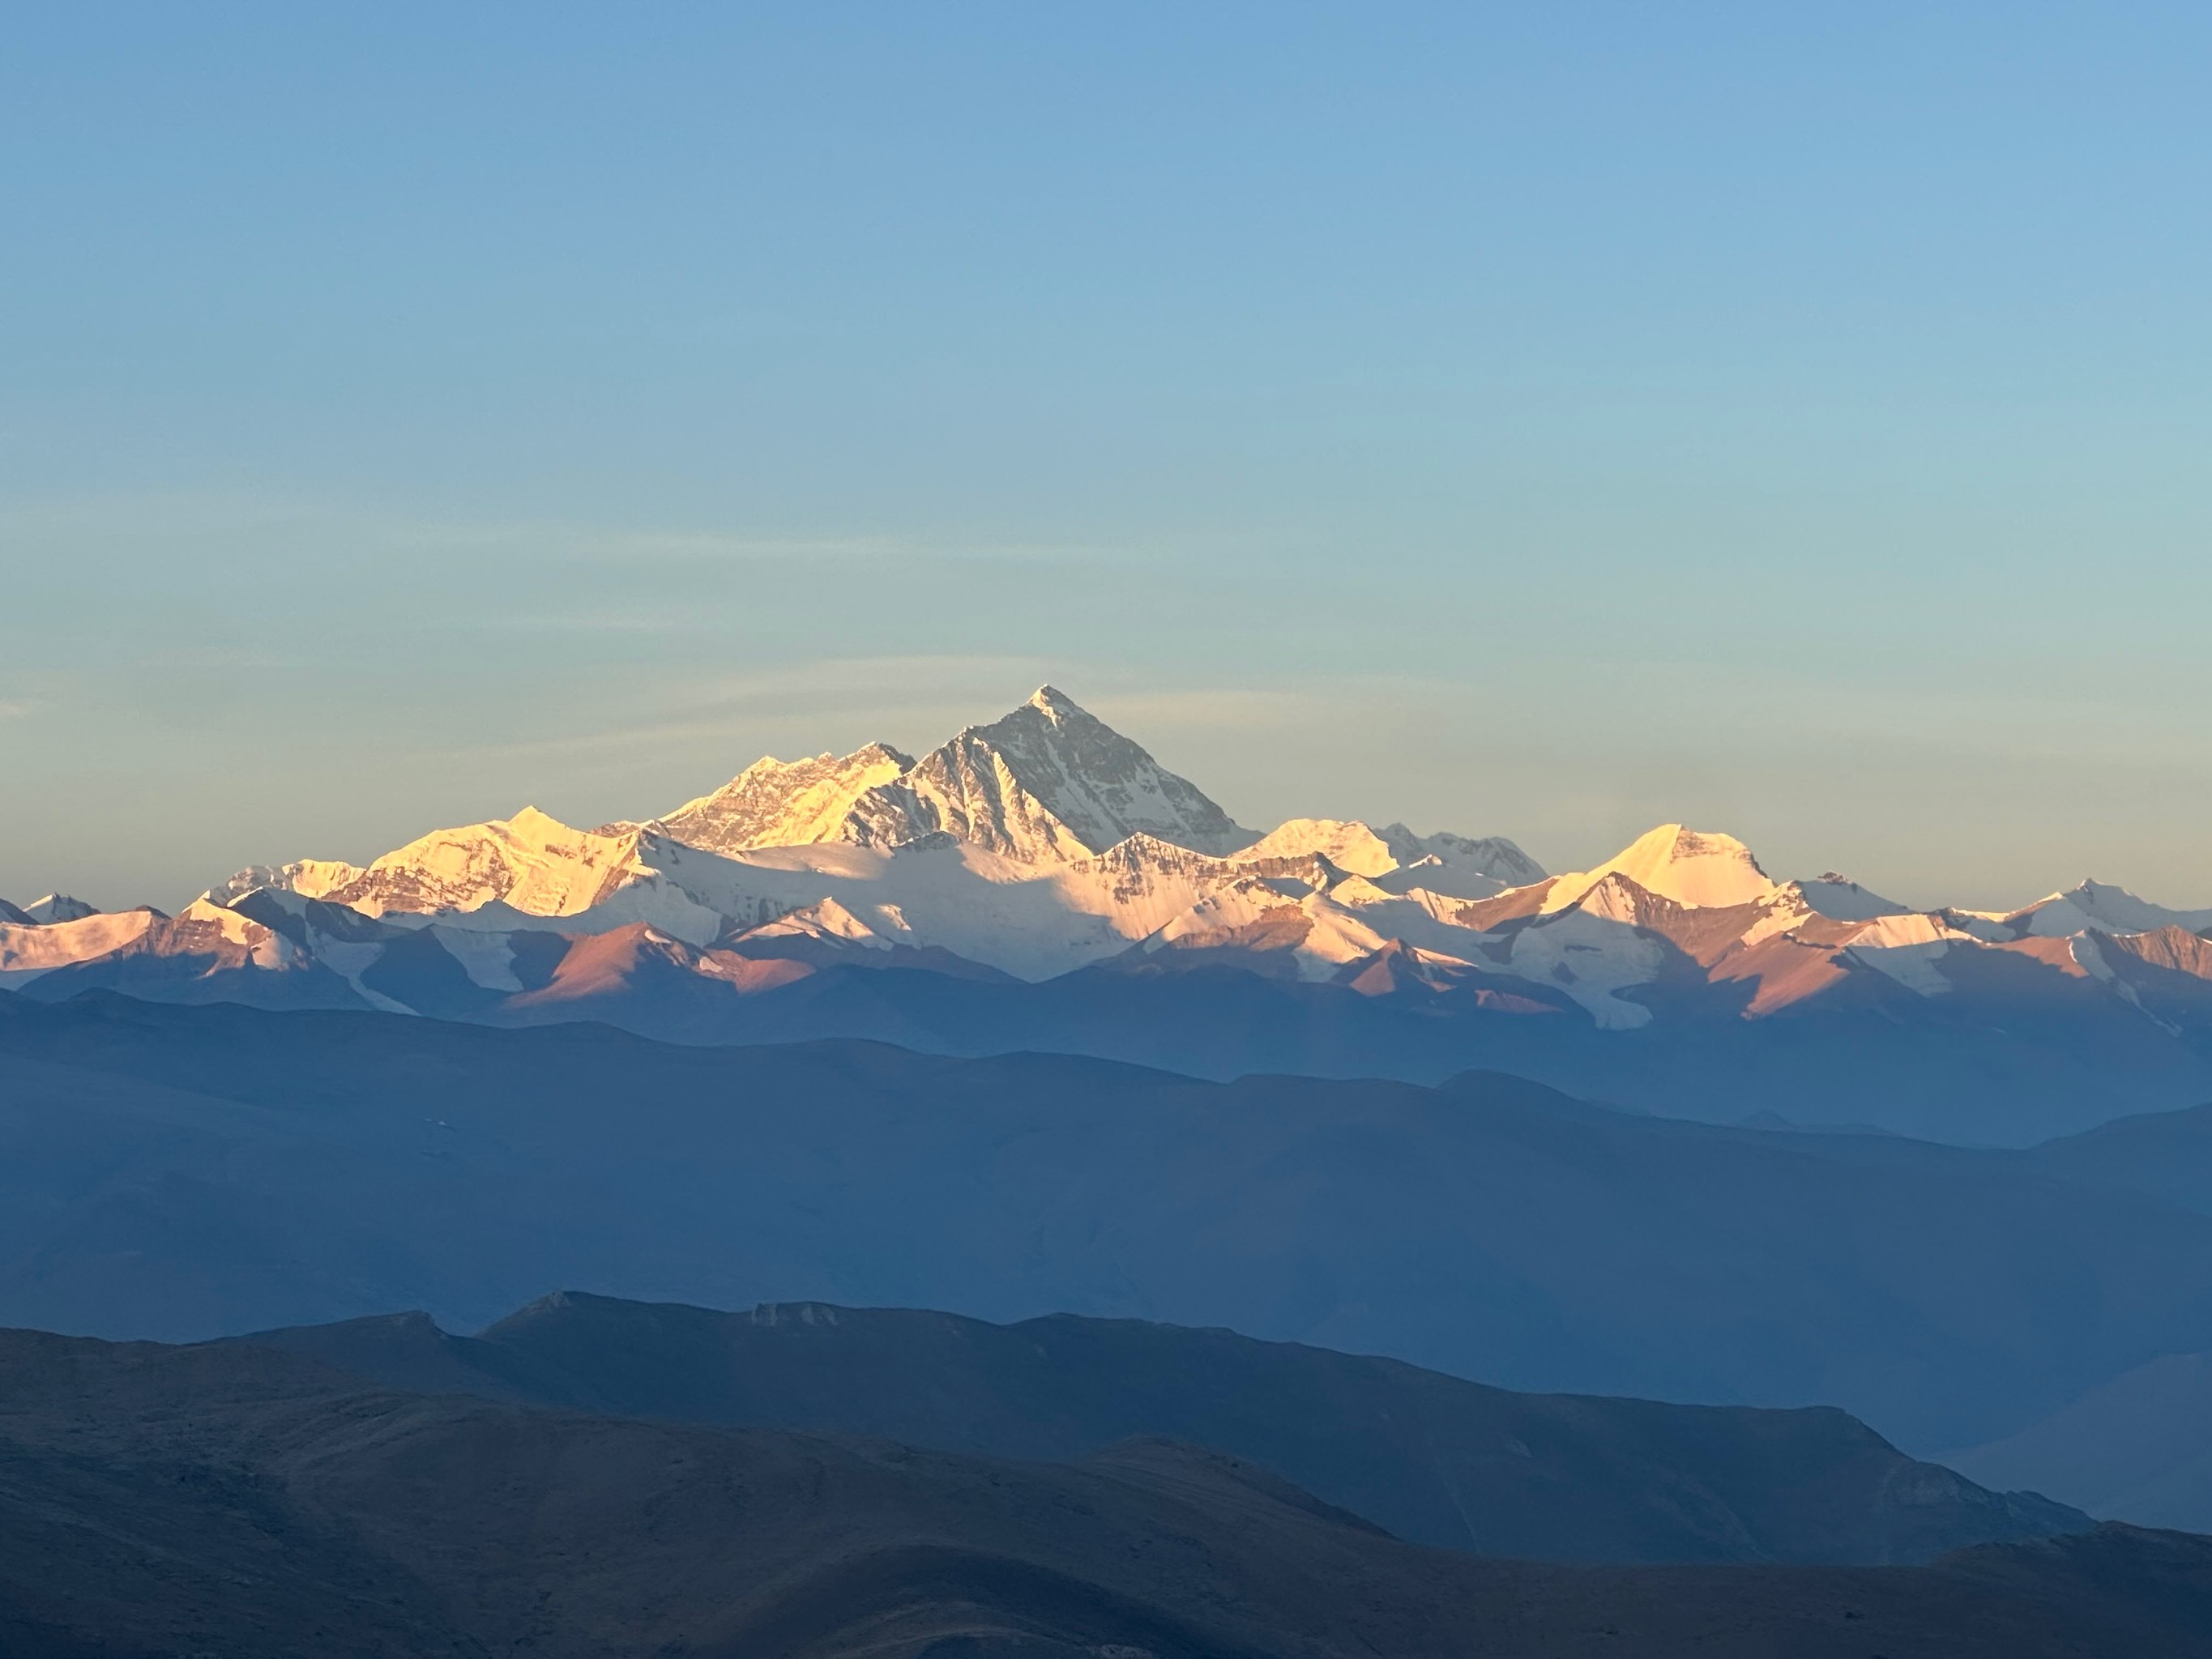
(185, 1173)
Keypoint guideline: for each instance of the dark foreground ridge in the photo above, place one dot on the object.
(1430, 1458)
(238, 1500)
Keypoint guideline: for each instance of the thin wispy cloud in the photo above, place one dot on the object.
(868, 679)
(336, 523)
(580, 622)
(1222, 708)
(908, 698)
(710, 547)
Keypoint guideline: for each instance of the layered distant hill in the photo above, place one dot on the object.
(1041, 882)
(1431, 1458)
(192, 1172)
(240, 1501)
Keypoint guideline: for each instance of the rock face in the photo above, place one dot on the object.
(1491, 855)
(311, 878)
(1441, 863)
(532, 861)
(774, 803)
(1050, 781)
(59, 906)
(41, 913)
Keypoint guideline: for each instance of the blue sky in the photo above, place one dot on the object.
(1537, 421)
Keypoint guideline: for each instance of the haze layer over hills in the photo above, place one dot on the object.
(352, 1118)
(185, 1173)
(1041, 882)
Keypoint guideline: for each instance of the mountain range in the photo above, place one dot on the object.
(1431, 1458)
(190, 1172)
(1041, 881)
(239, 1499)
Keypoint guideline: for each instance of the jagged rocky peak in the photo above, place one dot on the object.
(1836, 896)
(1695, 868)
(309, 878)
(1346, 842)
(532, 861)
(776, 803)
(1049, 782)
(1101, 784)
(2100, 905)
(1443, 862)
(1488, 855)
(59, 906)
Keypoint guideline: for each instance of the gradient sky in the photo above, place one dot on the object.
(1544, 421)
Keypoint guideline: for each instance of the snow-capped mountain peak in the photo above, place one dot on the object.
(1043, 846)
(1044, 842)
(309, 878)
(1049, 782)
(59, 906)
(1100, 784)
(532, 861)
(1461, 865)
(1488, 855)
(774, 803)
(534, 828)
(2097, 905)
(1346, 843)
(40, 913)
(1055, 705)
(1841, 898)
(1696, 868)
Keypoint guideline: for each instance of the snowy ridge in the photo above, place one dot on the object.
(1045, 844)
(1687, 866)
(30, 948)
(54, 908)
(310, 877)
(532, 861)
(1467, 867)
(774, 803)
(1839, 896)
(1048, 782)
(1097, 783)
(2094, 904)
(1348, 845)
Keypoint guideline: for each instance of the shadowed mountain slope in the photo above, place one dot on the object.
(232, 1499)
(2166, 1154)
(187, 1172)
(2020, 1054)
(1431, 1458)
(2138, 1448)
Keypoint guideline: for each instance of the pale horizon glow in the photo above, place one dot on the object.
(1538, 425)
